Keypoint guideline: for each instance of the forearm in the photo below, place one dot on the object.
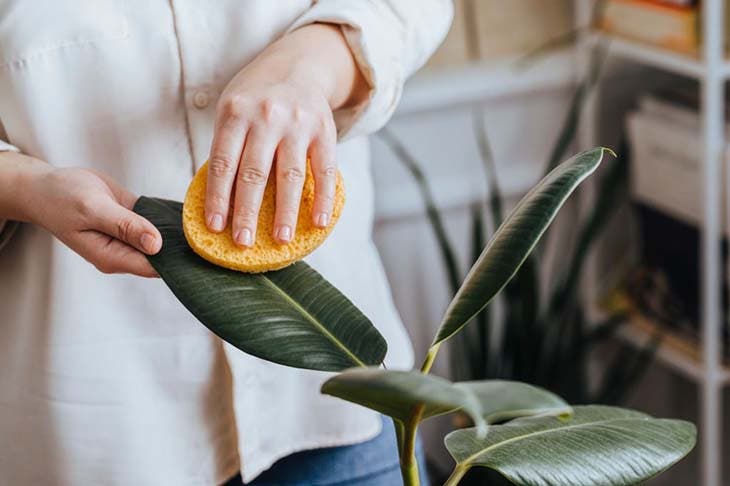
(17, 172)
(318, 54)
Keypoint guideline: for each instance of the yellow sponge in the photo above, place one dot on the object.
(266, 254)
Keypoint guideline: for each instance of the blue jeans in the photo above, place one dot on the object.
(371, 463)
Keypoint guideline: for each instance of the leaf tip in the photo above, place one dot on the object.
(610, 151)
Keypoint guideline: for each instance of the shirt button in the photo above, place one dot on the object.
(201, 99)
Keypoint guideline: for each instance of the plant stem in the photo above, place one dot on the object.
(456, 476)
(430, 358)
(409, 472)
(408, 462)
(399, 435)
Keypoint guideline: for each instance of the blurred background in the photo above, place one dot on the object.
(624, 301)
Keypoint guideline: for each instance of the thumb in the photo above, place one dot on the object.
(125, 225)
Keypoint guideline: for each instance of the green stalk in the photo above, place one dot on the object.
(399, 435)
(490, 169)
(408, 462)
(457, 475)
(410, 474)
(430, 358)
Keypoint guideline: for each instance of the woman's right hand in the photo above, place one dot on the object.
(93, 216)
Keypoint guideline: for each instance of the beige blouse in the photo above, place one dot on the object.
(108, 379)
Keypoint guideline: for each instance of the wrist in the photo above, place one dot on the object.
(322, 58)
(19, 179)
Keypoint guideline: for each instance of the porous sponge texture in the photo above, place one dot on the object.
(266, 254)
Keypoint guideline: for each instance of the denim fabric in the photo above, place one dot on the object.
(372, 463)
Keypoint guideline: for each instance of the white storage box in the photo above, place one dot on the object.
(666, 166)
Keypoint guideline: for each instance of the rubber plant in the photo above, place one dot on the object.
(531, 436)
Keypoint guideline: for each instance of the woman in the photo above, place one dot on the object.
(106, 379)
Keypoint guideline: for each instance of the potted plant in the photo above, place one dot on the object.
(529, 435)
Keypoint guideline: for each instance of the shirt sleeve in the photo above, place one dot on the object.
(6, 147)
(390, 40)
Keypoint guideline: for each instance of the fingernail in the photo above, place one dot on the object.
(148, 243)
(283, 233)
(216, 222)
(243, 237)
(323, 220)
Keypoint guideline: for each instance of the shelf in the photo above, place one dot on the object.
(658, 57)
(445, 88)
(674, 351)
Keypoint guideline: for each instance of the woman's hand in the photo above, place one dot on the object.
(279, 107)
(87, 211)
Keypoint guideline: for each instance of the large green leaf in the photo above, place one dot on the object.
(502, 400)
(611, 193)
(515, 239)
(398, 393)
(597, 446)
(292, 316)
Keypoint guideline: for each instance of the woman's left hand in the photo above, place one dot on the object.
(279, 107)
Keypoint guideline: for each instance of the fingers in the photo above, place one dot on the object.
(324, 170)
(250, 130)
(251, 179)
(291, 160)
(144, 237)
(110, 255)
(127, 226)
(228, 141)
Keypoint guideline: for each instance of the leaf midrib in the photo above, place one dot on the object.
(529, 412)
(486, 450)
(313, 320)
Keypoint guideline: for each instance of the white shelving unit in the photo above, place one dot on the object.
(457, 87)
(712, 70)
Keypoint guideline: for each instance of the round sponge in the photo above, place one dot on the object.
(266, 254)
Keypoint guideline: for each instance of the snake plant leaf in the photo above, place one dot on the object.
(598, 446)
(397, 393)
(515, 239)
(292, 316)
(502, 400)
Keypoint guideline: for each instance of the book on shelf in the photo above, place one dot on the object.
(669, 24)
(672, 25)
(678, 3)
